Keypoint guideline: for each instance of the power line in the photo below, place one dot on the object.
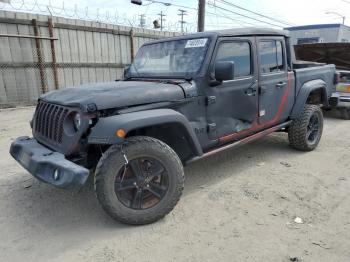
(246, 16)
(253, 12)
(232, 19)
(227, 10)
(171, 4)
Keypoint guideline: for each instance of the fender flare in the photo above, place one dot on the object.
(304, 93)
(104, 131)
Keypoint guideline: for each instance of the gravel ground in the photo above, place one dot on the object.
(239, 205)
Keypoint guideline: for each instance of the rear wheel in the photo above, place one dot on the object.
(146, 188)
(345, 113)
(305, 132)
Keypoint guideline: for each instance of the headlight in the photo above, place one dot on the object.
(77, 121)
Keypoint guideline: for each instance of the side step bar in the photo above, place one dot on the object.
(239, 142)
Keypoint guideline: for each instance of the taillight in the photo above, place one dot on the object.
(343, 88)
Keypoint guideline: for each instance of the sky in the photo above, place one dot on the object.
(220, 14)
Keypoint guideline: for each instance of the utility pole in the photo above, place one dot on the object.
(201, 15)
(182, 22)
(142, 20)
(161, 20)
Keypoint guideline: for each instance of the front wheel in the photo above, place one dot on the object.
(144, 189)
(305, 132)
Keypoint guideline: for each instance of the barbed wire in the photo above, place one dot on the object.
(109, 17)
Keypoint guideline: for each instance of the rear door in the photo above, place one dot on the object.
(273, 77)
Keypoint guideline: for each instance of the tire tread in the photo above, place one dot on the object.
(104, 164)
(296, 131)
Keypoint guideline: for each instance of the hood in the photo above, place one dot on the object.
(329, 53)
(115, 94)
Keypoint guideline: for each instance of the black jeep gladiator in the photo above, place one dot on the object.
(182, 100)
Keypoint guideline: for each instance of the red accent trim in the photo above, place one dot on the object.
(256, 126)
(240, 142)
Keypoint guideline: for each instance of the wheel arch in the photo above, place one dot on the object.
(167, 125)
(311, 92)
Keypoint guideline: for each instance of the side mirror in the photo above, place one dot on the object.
(224, 70)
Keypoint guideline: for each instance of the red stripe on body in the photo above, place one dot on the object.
(256, 126)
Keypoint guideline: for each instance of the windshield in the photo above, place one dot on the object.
(173, 59)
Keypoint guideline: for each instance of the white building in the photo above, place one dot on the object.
(322, 33)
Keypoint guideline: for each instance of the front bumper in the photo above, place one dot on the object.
(339, 99)
(42, 163)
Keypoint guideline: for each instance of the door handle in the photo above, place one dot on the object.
(281, 84)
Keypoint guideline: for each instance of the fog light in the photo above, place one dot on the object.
(56, 175)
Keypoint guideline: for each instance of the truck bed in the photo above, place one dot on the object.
(324, 73)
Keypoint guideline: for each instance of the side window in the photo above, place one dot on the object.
(239, 53)
(271, 56)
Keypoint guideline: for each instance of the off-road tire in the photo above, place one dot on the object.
(345, 113)
(113, 159)
(297, 131)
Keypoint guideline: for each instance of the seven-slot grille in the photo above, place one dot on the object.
(49, 119)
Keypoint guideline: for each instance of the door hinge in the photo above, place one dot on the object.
(210, 100)
(211, 127)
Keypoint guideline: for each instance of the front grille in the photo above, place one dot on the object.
(48, 121)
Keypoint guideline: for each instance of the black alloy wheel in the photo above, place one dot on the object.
(305, 132)
(142, 183)
(313, 128)
(139, 182)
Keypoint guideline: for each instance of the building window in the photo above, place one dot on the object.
(308, 40)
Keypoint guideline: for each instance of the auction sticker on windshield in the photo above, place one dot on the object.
(196, 43)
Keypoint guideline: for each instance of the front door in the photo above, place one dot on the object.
(272, 78)
(232, 106)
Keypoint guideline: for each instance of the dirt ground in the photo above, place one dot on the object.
(237, 206)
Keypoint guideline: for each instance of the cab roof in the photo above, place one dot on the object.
(250, 31)
(247, 31)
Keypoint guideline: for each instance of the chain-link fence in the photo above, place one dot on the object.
(39, 54)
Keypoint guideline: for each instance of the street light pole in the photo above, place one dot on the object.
(335, 13)
(201, 12)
